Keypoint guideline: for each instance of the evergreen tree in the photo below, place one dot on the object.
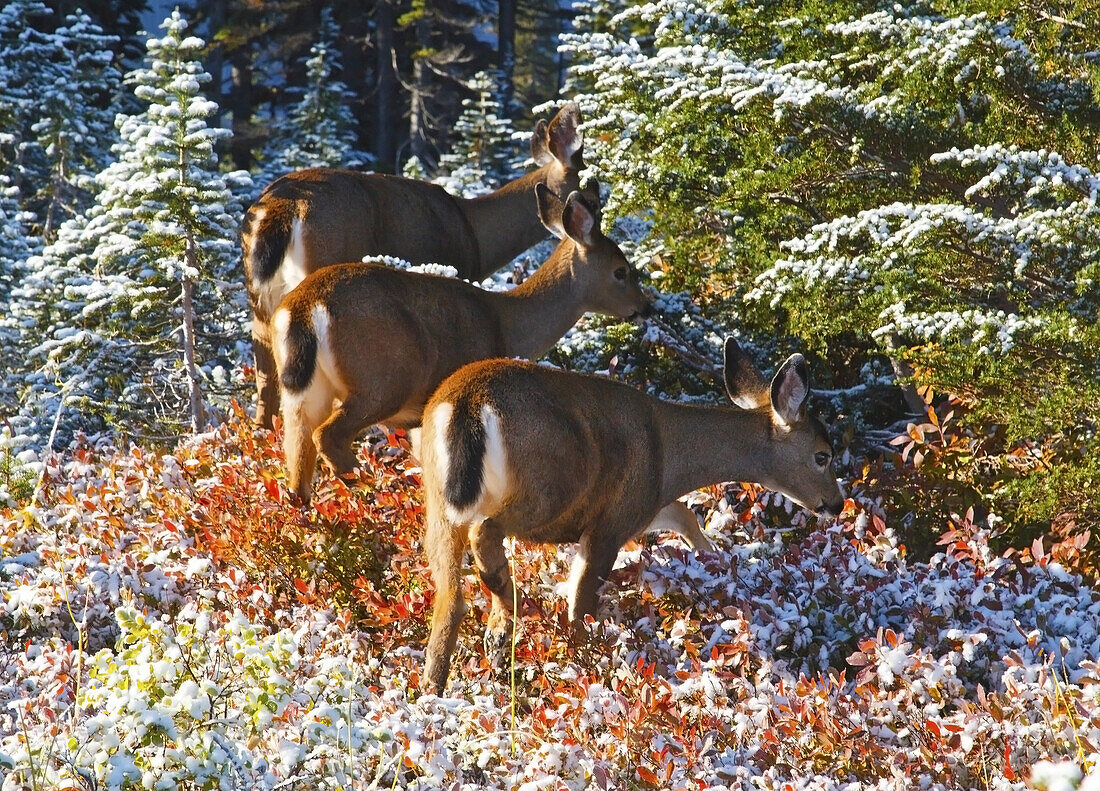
(320, 130)
(148, 308)
(75, 119)
(55, 93)
(887, 184)
(26, 64)
(484, 154)
(16, 247)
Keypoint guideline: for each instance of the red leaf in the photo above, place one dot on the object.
(647, 775)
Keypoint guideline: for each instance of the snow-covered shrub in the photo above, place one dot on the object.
(154, 636)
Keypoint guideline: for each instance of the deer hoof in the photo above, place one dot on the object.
(498, 644)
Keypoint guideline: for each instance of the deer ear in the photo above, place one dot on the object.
(564, 136)
(551, 209)
(540, 151)
(745, 386)
(791, 390)
(580, 220)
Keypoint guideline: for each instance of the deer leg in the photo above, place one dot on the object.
(487, 542)
(335, 436)
(300, 414)
(595, 558)
(678, 518)
(444, 544)
(267, 379)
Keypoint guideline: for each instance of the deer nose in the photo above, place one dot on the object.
(831, 510)
(646, 311)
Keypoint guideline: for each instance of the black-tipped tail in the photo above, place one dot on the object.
(300, 358)
(466, 446)
(269, 239)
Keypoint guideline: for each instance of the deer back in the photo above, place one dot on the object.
(372, 324)
(318, 217)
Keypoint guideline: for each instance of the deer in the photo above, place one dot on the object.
(512, 449)
(319, 217)
(359, 344)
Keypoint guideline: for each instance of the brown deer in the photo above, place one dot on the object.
(513, 449)
(322, 216)
(377, 341)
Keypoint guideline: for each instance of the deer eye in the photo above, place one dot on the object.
(621, 273)
(821, 458)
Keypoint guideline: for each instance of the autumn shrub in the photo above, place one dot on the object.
(166, 622)
(356, 546)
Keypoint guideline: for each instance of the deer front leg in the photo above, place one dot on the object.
(487, 542)
(595, 558)
(444, 544)
(267, 378)
(678, 518)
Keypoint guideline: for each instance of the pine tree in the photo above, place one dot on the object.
(484, 154)
(888, 184)
(148, 307)
(56, 88)
(75, 120)
(320, 130)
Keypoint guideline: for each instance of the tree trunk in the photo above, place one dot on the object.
(240, 101)
(355, 73)
(385, 138)
(506, 52)
(419, 145)
(198, 419)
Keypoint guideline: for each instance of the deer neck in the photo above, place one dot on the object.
(505, 222)
(704, 445)
(536, 313)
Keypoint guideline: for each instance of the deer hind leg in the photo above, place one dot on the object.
(335, 437)
(267, 379)
(301, 412)
(678, 518)
(487, 542)
(444, 544)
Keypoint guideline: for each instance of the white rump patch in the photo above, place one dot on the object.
(314, 403)
(326, 356)
(441, 419)
(494, 473)
(494, 465)
(280, 322)
(293, 268)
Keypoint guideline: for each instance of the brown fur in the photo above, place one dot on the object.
(345, 215)
(394, 335)
(595, 462)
